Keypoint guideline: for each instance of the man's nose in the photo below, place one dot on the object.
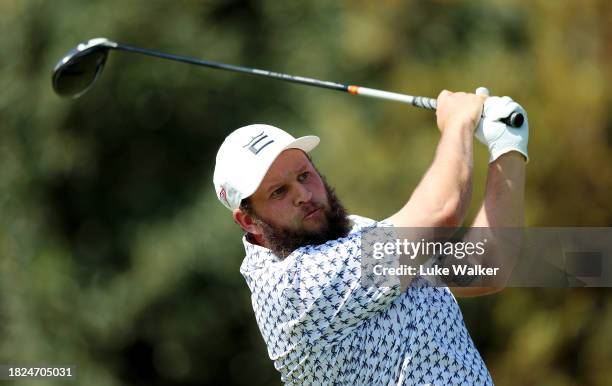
(302, 195)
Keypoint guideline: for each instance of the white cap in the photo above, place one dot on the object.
(245, 157)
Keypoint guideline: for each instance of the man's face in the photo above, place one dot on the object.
(292, 194)
(293, 206)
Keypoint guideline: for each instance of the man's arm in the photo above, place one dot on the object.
(503, 207)
(443, 195)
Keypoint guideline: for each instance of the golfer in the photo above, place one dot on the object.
(303, 252)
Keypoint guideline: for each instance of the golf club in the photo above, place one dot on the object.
(76, 72)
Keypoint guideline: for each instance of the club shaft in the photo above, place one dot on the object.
(514, 120)
(424, 102)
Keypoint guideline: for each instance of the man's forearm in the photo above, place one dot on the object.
(503, 204)
(499, 220)
(442, 197)
(446, 188)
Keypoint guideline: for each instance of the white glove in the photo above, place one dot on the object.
(499, 137)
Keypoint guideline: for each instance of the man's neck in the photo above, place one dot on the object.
(256, 239)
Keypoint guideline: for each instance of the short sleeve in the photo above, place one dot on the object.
(326, 287)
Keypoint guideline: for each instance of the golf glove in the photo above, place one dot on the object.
(499, 137)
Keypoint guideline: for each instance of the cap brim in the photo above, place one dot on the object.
(306, 143)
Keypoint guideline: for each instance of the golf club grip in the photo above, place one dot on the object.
(515, 119)
(425, 102)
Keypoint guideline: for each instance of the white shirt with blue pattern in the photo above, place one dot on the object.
(323, 327)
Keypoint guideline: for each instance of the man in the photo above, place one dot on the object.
(303, 253)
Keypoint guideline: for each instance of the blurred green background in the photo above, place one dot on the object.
(115, 255)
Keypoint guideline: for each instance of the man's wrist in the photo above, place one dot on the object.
(463, 127)
(513, 156)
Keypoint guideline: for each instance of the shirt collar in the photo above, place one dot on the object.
(256, 255)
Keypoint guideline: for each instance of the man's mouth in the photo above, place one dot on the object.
(312, 213)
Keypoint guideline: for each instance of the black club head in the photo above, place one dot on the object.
(74, 74)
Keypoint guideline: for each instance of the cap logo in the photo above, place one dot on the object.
(223, 196)
(253, 143)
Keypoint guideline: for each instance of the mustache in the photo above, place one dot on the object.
(310, 207)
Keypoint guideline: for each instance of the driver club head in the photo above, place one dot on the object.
(74, 74)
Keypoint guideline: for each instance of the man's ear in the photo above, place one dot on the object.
(246, 222)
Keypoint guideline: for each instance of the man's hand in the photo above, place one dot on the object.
(499, 137)
(459, 110)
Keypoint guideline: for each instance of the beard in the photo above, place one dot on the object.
(283, 241)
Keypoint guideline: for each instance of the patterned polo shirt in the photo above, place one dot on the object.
(322, 326)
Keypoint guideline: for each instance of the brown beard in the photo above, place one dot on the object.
(283, 241)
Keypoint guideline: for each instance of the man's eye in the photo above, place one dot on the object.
(278, 192)
(304, 176)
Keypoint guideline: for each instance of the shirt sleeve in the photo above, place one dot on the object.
(328, 287)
